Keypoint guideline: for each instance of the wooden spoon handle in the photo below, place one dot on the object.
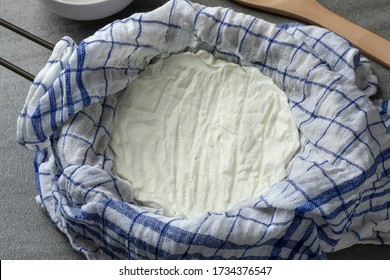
(310, 11)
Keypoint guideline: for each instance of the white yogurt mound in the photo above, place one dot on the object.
(195, 134)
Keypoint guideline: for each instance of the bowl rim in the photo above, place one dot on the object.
(82, 2)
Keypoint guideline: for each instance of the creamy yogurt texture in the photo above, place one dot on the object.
(195, 134)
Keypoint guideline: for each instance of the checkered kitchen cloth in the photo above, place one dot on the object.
(336, 194)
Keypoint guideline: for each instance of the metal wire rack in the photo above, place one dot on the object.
(9, 65)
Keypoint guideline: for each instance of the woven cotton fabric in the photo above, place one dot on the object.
(336, 194)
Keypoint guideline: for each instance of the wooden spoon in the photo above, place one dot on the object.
(310, 11)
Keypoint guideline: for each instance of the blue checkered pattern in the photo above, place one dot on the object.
(336, 194)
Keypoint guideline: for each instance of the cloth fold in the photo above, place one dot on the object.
(337, 191)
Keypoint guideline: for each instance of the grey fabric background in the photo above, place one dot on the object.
(25, 231)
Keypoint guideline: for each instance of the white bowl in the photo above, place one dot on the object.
(85, 9)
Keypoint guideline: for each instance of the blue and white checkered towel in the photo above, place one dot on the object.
(337, 192)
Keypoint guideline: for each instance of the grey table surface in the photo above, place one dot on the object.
(25, 231)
